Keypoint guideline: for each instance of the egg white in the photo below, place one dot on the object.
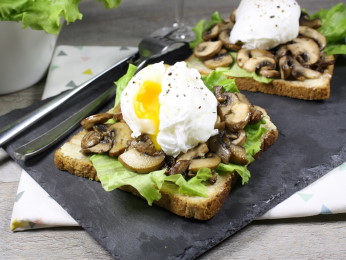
(187, 107)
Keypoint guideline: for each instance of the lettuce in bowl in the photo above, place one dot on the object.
(46, 15)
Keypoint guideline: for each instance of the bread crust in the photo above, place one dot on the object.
(69, 158)
(310, 89)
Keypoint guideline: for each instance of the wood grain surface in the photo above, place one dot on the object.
(320, 237)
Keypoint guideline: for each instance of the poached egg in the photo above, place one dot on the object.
(170, 104)
(264, 24)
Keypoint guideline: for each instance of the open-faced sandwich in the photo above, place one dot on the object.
(174, 138)
(272, 47)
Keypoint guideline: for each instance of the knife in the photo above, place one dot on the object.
(54, 135)
(17, 127)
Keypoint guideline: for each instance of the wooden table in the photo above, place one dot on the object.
(320, 237)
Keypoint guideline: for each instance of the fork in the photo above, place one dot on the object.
(150, 47)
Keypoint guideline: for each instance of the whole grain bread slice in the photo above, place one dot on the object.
(69, 158)
(309, 89)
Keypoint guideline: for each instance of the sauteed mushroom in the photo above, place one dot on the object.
(313, 34)
(198, 151)
(206, 50)
(90, 121)
(220, 60)
(304, 50)
(211, 33)
(304, 20)
(301, 73)
(224, 38)
(141, 162)
(122, 134)
(208, 162)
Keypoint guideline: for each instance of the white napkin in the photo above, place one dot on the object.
(73, 65)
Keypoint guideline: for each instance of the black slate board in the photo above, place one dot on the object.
(312, 141)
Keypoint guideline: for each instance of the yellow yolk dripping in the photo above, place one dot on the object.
(147, 106)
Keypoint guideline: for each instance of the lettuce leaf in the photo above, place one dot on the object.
(123, 81)
(333, 28)
(45, 15)
(217, 78)
(113, 174)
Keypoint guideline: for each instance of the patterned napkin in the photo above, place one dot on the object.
(73, 65)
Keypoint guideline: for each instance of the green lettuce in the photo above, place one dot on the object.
(333, 28)
(216, 78)
(123, 81)
(45, 15)
(113, 174)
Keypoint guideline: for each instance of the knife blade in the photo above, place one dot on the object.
(54, 135)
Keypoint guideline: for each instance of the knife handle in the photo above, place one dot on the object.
(17, 127)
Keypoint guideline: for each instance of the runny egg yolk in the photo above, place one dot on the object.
(147, 106)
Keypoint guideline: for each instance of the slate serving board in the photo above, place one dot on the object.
(312, 141)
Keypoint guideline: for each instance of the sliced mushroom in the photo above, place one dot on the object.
(144, 144)
(180, 167)
(211, 33)
(219, 147)
(206, 50)
(313, 34)
(305, 20)
(226, 26)
(224, 38)
(285, 65)
(91, 139)
(198, 151)
(225, 108)
(305, 50)
(255, 63)
(239, 117)
(238, 155)
(261, 53)
(243, 56)
(122, 134)
(103, 146)
(233, 15)
(281, 51)
(221, 125)
(141, 162)
(268, 73)
(90, 121)
(220, 60)
(242, 98)
(301, 73)
(218, 92)
(210, 162)
(241, 139)
(256, 115)
(117, 114)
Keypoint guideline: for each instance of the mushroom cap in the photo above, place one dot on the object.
(221, 60)
(258, 62)
(313, 34)
(211, 33)
(208, 49)
(305, 50)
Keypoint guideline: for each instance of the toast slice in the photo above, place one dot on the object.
(309, 89)
(69, 158)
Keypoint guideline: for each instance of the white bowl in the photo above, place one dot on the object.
(25, 55)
